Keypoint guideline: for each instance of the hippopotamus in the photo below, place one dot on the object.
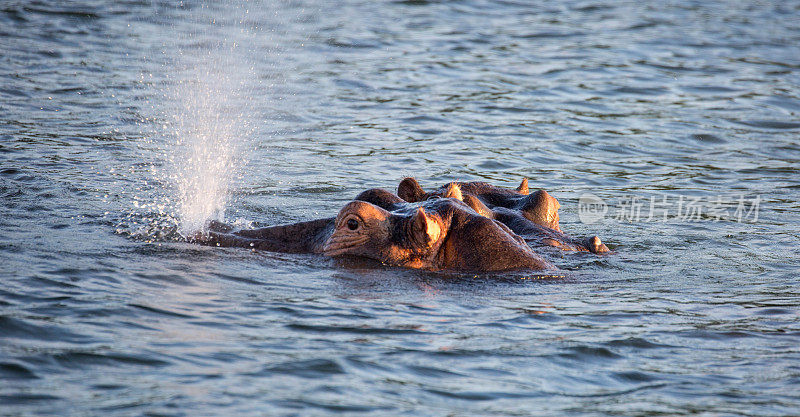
(470, 226)
(533, 216)
(435, 234)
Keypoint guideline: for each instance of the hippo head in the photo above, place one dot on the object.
(364, 229)
(539, 207)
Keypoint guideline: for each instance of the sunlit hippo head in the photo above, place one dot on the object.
(533, 214)
(442, 233)
(364, 229)
(539, 207)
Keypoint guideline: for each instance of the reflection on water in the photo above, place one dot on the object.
(101, 104)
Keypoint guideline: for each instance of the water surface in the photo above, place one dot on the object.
(103, 310)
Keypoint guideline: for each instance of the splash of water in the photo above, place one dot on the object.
(207, 86)
(204, 118)
(208, 134)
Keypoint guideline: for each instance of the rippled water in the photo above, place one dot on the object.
(103, 310)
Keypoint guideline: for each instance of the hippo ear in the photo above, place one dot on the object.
(523, 187)
(424, 229)
(410, 190)
(453, 191)
(595, 245)
(542, 209)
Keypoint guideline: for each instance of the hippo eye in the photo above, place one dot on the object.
(352, 224)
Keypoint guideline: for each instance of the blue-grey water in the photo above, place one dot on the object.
(105, 311)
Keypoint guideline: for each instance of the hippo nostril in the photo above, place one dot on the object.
(352, 224)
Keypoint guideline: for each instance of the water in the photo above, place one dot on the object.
(103, 310)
